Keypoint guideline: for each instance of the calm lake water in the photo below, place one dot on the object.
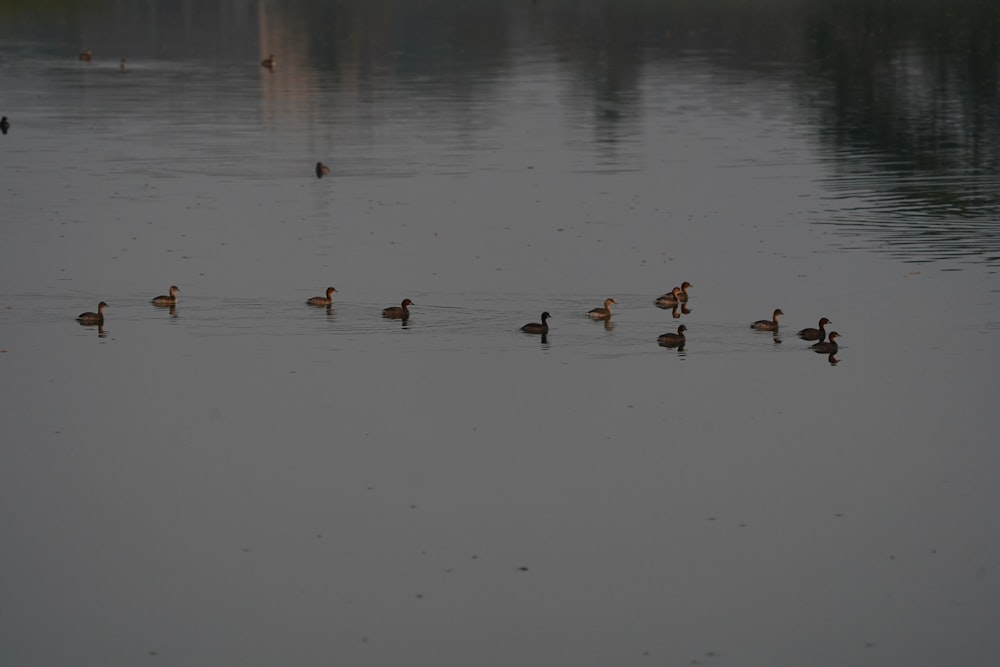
(246, 480)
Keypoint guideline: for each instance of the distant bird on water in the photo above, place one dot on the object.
(93, 318)
(671, 298)
(400, 312)
(538, 327)
(673, 339)
(121, 65)
(165, 300)
(270, 62)
(87, 55)
(4, 124)
(768, 325)
(323, 300)
(602, 313)
(829, 347)
(321, 170)
(809, 333)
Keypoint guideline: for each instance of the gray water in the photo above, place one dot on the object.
(246, 480)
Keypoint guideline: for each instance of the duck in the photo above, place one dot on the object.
(270, 62)
(673, 339)
(323, 300)
(321, 170)
(535, 327)
(121, 65)
(602, 313)
(768, 325)
(683, 296)
(400, 312)
(670, 299)
(93, 318)
(87, 55)
(829, 347)
(164, 300)
(819, 334)
(4, 124)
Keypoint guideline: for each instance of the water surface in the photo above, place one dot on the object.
(248, 480)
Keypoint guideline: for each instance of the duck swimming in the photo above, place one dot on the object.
(270, 62)
(683, 296)
(400, 312)
(87, 55)
(321, 170)
(4, 124)
(536, 328)
(670, 299)
(93, 318)
(829, 347)
(323, 300)
(673, 339)
(819, 334)
(602, 313)
(164, 300)
(768, 325)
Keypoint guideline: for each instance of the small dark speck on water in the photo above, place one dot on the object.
(523, 568)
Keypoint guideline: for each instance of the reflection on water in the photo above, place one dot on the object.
(907, 111)
(325, 485)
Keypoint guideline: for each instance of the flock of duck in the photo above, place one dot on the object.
(400, 312)
(677, 297)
